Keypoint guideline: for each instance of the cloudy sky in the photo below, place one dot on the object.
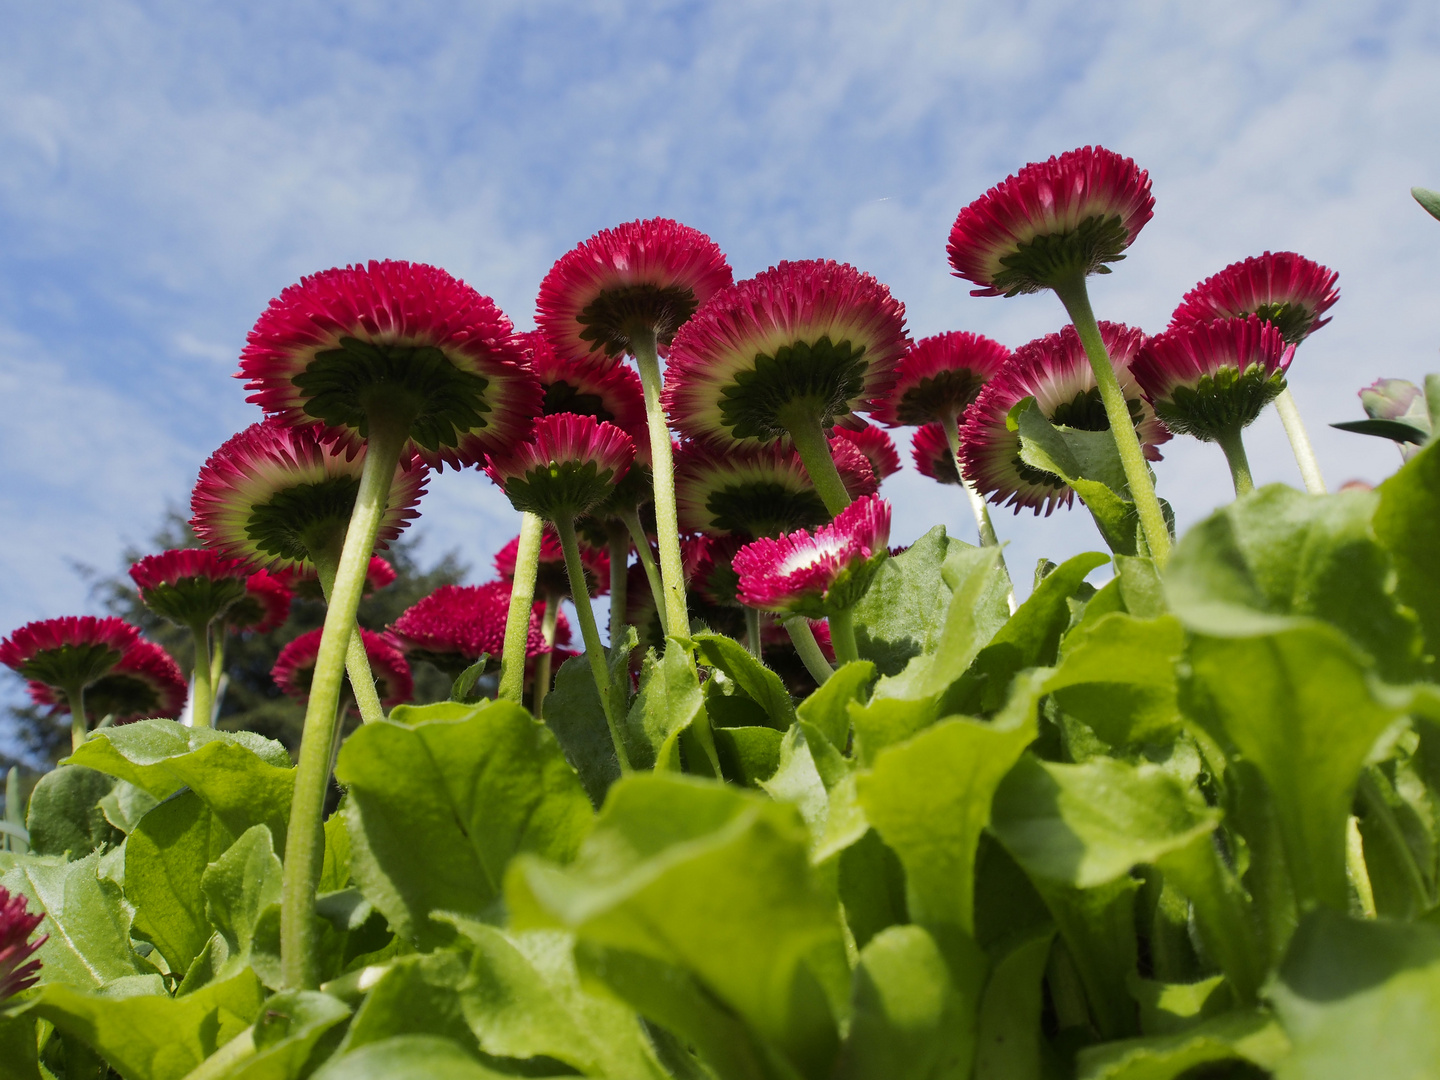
(167, 167)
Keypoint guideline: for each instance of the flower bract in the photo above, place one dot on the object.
(69, 652)
(1051, 221)
(145, 682)
(570, 464)
(189, 586)
(939, 377)
(1283, 288)
(18, 971)
(295, 667)
(876, 445)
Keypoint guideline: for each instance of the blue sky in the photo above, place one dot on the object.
(166, 168)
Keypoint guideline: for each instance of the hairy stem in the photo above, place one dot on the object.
(79, 727)
(217, 653)
(522, 604)
(803, 638)
(204, 703)
(549, 619)
(667, 524)
(1300, 442)
(842, 636)
(357, 661)
(619, 578)
(983, 523)
(1234, 446)
(752, 632)
(803, 424)
(1076, 298)
(647, 560)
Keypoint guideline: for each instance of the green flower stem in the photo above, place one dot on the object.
(595, 651)
(203, 703)
(842, 636)
(977, 501)
(357, 661)
(667, 524)
(1356, 869)
(522, 603)
(647, 560)
(619, 567)
(217, 652)
(801, 421)
(1221, 913)
(752, 631)
(79, 728)
(305, 845)
(1378, 811)
(1300, 442)
(1076, 298)
(549, 619)
(803, 638)
(1234, 446)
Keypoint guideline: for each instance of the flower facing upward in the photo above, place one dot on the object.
(1050, 221)
(612, 394)
(551, 578)
(189, 586)
(17, 970)
(393, 335)
(878, 448)
(272, 495)
(146, 682)
(931, 450)
(265, 605)
(759, 490)
(640, 277)
(816, 335)
(457, 624)
(68, 652)
(1280, 287)
(1211, 379)
(939, 378)
(295, 667)
(569, 465)
(1055, 372)
(817, 576)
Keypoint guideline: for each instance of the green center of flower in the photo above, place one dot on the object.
(70, 665)
(616, 316)
(1217, 404)
(1050, 258)
(765, 508)
(303, 519)
(944, 394)
(1292, 320)
(420, 380)
(822, 376)
(561, 397)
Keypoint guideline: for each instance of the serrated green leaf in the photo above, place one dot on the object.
(126, 804)
(335, 870)
(748, 755)
(407, 1057)
(65, 816)
(828, 708)
(901, 613)
(750, 675)
(238, 887)
(574, 714)
(437, 810)
(1117, 675)
(1241, 1037)
(669, 702)
(1407, 523)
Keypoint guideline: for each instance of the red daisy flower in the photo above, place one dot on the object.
(817, 575)
(878, 448)
(273, 494)
(551, 578)
(638, 277)
(817, 334)
(306, 582)
(189, 586)
(570, 464)
(265, 605)
(295, 667)
(709, 567)
(70, 652)
(17, 970)
(1211, 379)
(457, 624)
(939, 378)
(403, 333)
(1282, 288)
(610, 393)
(1050, 221)
(754, 491)
(146, 682)
(931, 450)
(1054, 371)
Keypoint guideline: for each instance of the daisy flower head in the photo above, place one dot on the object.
(930, 449)
(817, 339)
(398, 339)
(551, 577)
(878, 448)
(640, 278)
(18, 970)
(816, 575)
(272, 495)
(612, 394)
(1283, 288)
(189, 586)
(457, 624)
(1051, 221)
(265, 605)
(570, 464)
(295, 667)
(145, 683)
(939, 377)
(68, 652)
(1055, 372)
(1214, 378)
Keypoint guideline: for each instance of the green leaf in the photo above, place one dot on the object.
(1408, 525)
(748, 755)
(1430, 200)
(713, 882)
(416, 995)
(460, 689)
(1086, 825)
(1234, 1037)
(289, 1035)
(753, 677)
(238, 887)
(1141, 589)
(335, 871)
(86, 920)
(1009, 1038)
(407, 1057)
(828, 708)
(17, 1048)
(913, 1015)
(929, 799)
(65, 818)
(126, 804)
(809, 768)
(669, 702)
(1263, 562)
(436, 811)
(883, 722)
(244, 778)
(153, 1036)
(1300, 706)
(574, 714)
(1097, 926)
(1394, 430)
(871, 882)
(1359, 998)
(165, 861)
(1117, 675)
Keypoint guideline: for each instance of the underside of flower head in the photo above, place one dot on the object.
(640, 277)
(1215, 378)
(1283, 288)
(145, 682)
(876, 445)
(295, 667)
(17, 970)
(265, 605)
(1056, 373)
(457, 624)
(753, 491)
(399, 339)
(930, 449)
(939, 377)
(570, 464)
(551, 577)
(272, 495)
(189, 586)
(610, 393)
(1051, 221)
(817, 336)
(70, 651)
